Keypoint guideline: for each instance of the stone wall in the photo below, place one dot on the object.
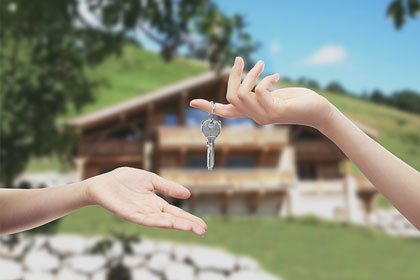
(393, 223)
(71, 257)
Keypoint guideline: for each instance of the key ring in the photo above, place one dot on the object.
(212, 111)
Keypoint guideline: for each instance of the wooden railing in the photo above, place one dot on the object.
(176, 137)
(111, 147)
(321, 186)
(230, 179)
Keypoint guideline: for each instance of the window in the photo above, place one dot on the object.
(241, 161)
(195, 116)
(196, 161)
(170, 120)
(239, 122)
(307, 170)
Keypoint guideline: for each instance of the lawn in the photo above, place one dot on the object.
(304, 248)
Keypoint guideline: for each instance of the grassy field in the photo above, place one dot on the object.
(303, 248)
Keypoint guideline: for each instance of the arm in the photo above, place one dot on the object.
(126, 192)
(396, 180)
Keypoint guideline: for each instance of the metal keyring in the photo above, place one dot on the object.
(212, 111)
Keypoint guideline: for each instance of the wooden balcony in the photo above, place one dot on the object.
(230, 180)
(170, 138)
(317, 149)
(321, 186)
(111, 148)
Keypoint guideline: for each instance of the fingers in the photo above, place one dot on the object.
(251, 78)
(222, 110)
(167, 221)
(234, 81)
(170, 188)
(266, 83)
(263, 87)
(185, 215)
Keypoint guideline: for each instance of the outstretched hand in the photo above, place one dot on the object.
(129, 194)
(287, 105)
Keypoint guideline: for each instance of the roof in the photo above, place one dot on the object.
(140, 101)
(133, 104)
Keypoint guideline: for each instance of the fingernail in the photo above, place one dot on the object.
(236, 60)
(259, 63)
(276, 77)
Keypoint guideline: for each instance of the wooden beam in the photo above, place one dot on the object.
(221, 96)
(221, 160)
(150, 118)
(225, 201)
(183, 99)
(183, 156)
(256, 202)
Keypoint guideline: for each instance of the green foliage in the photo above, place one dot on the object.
(408, 100)
(336, 87)
(47, 47)
(399, 10)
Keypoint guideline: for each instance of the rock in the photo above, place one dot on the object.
(39, 242)
(65, 245)
(41, 261)
(10, 270)
(252, 275)
(210, 275)
(209, 258)
(92, 241)
(133, 261)
(86, 263)
(67, 274)
(38, 276)
(144, 274)
(165, 247)
(158, 262)
(116, 251)
(181, 252)
(100, 275)
(144, 248)
(179, 271)
(23, 246)
(247, 263)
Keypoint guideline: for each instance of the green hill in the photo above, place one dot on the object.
(138, 71)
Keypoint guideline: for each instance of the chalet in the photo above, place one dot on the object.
(275, 169)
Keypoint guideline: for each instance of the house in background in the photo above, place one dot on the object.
(269, 170)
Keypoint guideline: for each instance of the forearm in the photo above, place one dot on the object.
(396, 180)
(25, 209)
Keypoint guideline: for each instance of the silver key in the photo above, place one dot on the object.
(211, 129)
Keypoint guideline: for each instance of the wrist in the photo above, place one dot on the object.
(82, 191)
(329, 124)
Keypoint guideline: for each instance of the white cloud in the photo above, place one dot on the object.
(327, 55)
(275, 48)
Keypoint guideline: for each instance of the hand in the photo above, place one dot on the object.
(128, 193)
(287, 105)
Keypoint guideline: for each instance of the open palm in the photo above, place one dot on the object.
(129, 194)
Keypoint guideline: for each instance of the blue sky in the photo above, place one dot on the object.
(349, 41)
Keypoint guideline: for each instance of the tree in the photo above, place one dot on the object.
(336, 87)
(399, 10)
(408, 100)
(47, 45)
(379, 97)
